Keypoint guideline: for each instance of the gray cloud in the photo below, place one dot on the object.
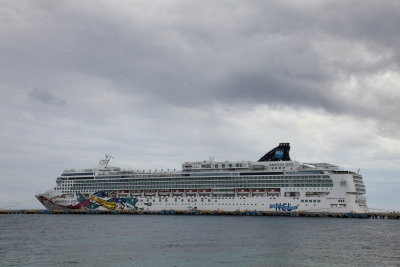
(190, 54)
(298, 54)
(46, 97)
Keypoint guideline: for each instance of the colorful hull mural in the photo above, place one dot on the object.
(98, 200)
(102, 199)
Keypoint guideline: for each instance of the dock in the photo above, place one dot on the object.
(369, 215)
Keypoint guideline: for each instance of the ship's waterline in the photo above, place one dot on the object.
(273, 183)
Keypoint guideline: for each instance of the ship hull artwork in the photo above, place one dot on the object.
(273, 183)
(98, 200)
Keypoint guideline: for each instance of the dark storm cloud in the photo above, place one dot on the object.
(46, 97)
(374, 23)
(286, 53)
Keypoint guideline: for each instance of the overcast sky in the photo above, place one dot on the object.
(157, 83)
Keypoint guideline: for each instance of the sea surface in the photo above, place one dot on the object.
(156, 240)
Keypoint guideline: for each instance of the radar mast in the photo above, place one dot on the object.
(104, 162)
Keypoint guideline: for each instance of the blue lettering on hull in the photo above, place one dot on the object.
(283, 207)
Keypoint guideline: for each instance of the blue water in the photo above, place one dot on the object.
(155, 240)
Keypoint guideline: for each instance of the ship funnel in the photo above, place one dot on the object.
(279, 153)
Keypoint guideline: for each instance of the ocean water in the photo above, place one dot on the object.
(155, 240)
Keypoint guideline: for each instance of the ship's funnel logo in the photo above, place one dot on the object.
(279, 153)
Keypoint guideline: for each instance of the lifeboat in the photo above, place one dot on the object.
(243, 191)
(136, 193)
(164, 192)
(205, 192)
(178, 192)
(123, 193)
(258, 191)
(191, 192)
(150, 192)
(273, 190)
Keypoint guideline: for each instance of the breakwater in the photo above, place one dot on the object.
(369, 215)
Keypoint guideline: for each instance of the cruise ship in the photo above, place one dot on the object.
(273, 183)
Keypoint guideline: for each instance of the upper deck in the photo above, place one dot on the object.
(276, 161)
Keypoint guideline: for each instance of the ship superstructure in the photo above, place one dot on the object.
(273, 183)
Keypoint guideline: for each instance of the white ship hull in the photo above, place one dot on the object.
(337, 201)
(230, 204)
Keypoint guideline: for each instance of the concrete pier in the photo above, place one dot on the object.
(369, 215)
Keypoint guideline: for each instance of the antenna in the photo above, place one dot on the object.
(104, 162)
